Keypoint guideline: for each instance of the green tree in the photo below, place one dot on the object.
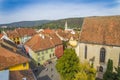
(109, 71)
(68, 65)
(65, 43)
(86, 72)
(116, 74)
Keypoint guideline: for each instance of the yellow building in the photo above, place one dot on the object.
(12, 61)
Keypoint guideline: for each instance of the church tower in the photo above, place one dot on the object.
(66, 25)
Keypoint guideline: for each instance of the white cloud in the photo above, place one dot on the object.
(58, 11)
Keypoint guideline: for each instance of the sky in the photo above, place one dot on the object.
(28, 10)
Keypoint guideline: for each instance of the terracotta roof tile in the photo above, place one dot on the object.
(1, 35)
(20, 32)
(8, 58)
(39, 42)
(101, 30)
(48, 31)
(55, 39)
(19, 75)
(68, 34)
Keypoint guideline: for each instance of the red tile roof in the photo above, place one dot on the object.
(48, 31)
(8, 58)
(19, 75)
(1, 35)
(68, 35)
(55, 39)
(39, 42)
(20, 32)
(101, 30)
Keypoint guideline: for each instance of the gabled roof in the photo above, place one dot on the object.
(101, 30)
(9, 58)
(39, 42)
(19, 75)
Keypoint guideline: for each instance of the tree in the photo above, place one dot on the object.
(68, 65)
(109, 71)
(65, 43)
(86, 72)
(116, 74)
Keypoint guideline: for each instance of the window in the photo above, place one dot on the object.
(53, 54)
(17, 38)
(38, 54)
(85, 52)
(50, 55)
(51, 50)
(24, 64)
(38, 59)
(102, 54)
(14, 39)
(42, 52)
(42, 57)
(119, 61)
(38, 64)
(18, 42)
(100, 69)
(46, 51)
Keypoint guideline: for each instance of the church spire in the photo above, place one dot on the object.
(66, 25)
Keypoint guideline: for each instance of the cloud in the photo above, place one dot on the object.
(58, 11)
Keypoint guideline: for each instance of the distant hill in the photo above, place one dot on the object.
(72, 23)
(26, 23)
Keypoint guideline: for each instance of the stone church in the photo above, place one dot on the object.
(100, 41)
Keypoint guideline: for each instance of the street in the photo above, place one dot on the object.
(49, 72)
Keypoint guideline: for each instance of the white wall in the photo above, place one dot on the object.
(93, 50)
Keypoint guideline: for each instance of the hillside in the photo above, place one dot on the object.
(26, 23)
(72, 23)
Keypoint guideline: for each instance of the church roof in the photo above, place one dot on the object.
(101, 30)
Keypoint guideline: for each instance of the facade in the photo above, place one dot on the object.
(21, 35)
(58, 45)
(100, 41)
(45, 55)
